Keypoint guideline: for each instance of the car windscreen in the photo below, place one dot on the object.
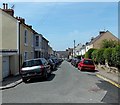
(88, 62)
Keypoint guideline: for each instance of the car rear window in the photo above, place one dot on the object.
(32, 63)
(88, 62)
(28, 63)
(37, 62)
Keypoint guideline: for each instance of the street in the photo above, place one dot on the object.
(66, 85)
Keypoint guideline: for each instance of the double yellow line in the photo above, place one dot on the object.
(108, 80)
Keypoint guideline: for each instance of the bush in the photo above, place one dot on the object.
(99, 56)
(94, 56)
(88, 54)
(108, 55)
(116, 56)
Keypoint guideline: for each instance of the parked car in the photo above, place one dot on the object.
(69, 60)
(75, 62)
(55, 61)
(60, 60)
(35, 68)
(52, 64)
(86, 64)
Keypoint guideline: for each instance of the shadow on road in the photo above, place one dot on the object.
(59, 66)
(112, 95)
(35, 80)
(93, 71)
(10, 79)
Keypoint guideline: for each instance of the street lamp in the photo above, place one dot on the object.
(74, 48)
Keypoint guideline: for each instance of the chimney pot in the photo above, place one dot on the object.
(101, 32)
(3, 5)
(6, 6)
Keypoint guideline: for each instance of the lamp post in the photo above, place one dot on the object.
(74, 48)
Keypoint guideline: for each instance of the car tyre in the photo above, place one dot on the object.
(24, 80)
(46, 76)
(80, 69)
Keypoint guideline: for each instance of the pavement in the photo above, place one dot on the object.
(112, 78)
(10, 82)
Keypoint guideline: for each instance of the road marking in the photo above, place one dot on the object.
(113, 83)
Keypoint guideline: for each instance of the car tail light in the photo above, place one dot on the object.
(41, 67)
(21, 70)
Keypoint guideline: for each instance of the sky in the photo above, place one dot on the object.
(63, 22)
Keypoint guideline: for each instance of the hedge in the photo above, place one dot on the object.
(88, 54)
(116, 56)
(108, 55)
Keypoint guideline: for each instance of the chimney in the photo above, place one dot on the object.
(9, 11)
(3, 5)
(30, 26)
(22, 20)
(92, 38)
(101, 32)
(6, 6)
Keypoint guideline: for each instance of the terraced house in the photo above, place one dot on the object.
(9, 48)
(18, 42)
(96, 42)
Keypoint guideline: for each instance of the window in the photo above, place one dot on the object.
(25, 55)
(32, 55)
(32, 40)
(37, 40)
(25, 38)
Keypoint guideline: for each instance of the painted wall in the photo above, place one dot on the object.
(9, 37)
(89, 47)
(0, 45)
(0, 68)
(14, 64)
(9, 31)
(26, 47)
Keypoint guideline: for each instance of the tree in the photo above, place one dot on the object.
(108, 43)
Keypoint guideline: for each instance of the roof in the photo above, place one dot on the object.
(100, 35)
(44, 38)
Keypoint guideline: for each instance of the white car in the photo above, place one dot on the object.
(35, 68)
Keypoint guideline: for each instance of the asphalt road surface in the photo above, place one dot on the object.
(66, 85)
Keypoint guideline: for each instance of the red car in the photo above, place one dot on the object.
(86, 64)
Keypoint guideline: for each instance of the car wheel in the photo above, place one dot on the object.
(80, 69)
(24, 80)
(46, 75)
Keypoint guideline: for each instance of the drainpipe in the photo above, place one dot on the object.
(19, 45)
